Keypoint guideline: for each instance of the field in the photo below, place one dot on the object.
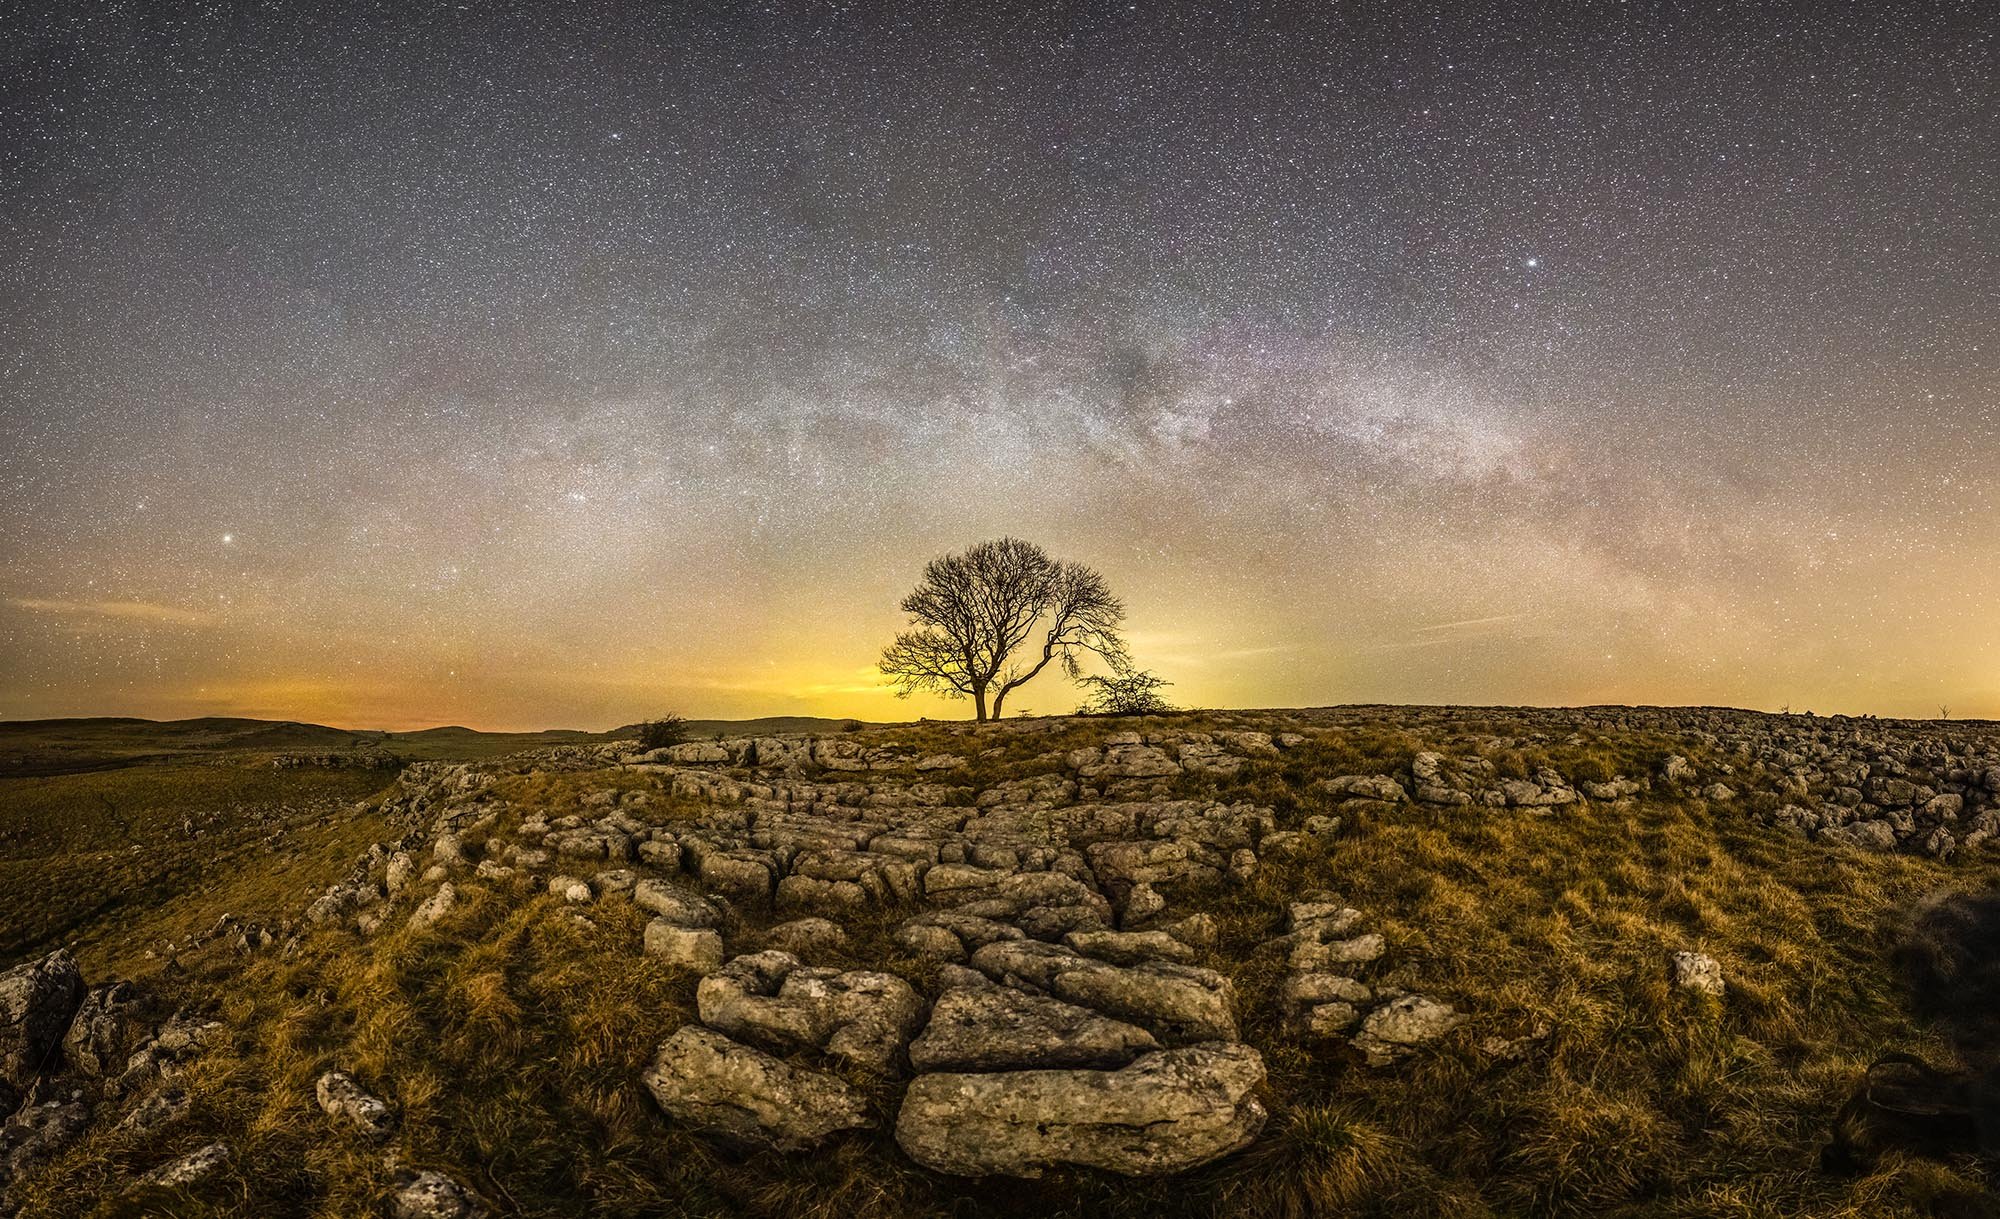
(511, 1034)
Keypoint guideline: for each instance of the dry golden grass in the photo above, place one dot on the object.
(511, 1036)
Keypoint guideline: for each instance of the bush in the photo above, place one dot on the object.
(668, 730)
(1125, 694)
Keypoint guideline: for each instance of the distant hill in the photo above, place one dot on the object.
(765, 726)
(46, 747)
(66, 746)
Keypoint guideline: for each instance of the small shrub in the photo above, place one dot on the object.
(669, 729)
(1135, 693)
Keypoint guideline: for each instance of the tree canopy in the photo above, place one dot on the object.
(988, 621)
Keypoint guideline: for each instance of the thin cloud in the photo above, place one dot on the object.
(1463, 623)
(131, 611)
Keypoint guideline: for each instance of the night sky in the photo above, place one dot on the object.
(531, 366)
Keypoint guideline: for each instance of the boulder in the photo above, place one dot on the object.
(1329, 1019)
(397, 872)
(746, 1096)
(1303, 990)
(1312, 953)
(1365, 787)
(1870, 835)
(676, 903)
(742, 875)
(1166, 1112)
(807, 937)
(1130, 947)
(191, 1169)
(107, 1028)
(36, 1135)
(693, 948)
(1396, 1028)
(344, 1100)
(432, 1195)
(772, 998)
(811, 893)
(1697, 972)
(1179, 1004)
(435, 907)
(995, 1028)
(37, 1001)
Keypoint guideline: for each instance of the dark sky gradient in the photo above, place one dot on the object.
(552, 364)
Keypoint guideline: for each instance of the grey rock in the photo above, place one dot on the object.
(1166, 1112)
(435, 907)
(1312, 954)
(1698, 972)
(397, 872)
(107, 1028)
(929, 942)
(741, 875)
(773, 999)
(1179, 1004)
(1130, 947)
(744, 1095)
(1366, 787)
(432, 1195)
(345, 1100)
(1142, 905)
(37, 1001)
(693, 948)
(812, 893)
(191, 1169)
(1330, 1019)
(156, 1110)
(1870, 835)
(1302, 990)
(1400, 1026)
(36, 1135)
(807, 937)
(1197, 931)
(573, 889)
(993, 1028)
(678, 905)
(614, 880)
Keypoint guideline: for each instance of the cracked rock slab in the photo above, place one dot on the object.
(997, 1028)
(1179, 1004)
(746, 1096)
(772, 998)
(1164, 1113)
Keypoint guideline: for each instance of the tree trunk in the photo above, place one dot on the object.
(979, 702)
(998, 699)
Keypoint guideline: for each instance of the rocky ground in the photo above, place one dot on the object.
(1043, 946)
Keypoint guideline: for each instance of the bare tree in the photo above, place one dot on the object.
(991, 619)
(1125, 694)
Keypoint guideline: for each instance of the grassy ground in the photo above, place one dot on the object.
(512, 1037)
(111, 862)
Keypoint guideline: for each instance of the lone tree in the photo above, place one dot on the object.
(991, 619)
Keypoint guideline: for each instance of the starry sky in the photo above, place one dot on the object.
(528, 366)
